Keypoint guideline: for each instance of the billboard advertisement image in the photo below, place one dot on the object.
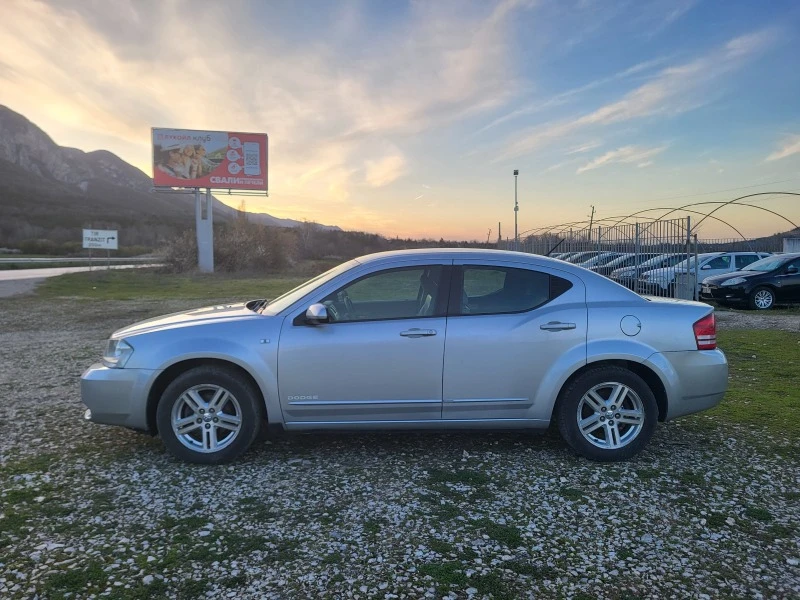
(210, 159)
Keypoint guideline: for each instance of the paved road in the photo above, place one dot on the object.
(98, 260)
(22, 281)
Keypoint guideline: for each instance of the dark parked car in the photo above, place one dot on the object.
(760, 286)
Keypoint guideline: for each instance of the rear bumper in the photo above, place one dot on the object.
(695, 380)
(117, 396)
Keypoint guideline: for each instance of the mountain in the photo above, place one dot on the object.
(49, 192)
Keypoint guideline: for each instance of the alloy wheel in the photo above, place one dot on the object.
(206, 418)
(610, 415)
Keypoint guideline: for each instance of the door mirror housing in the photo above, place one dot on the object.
(705, 267)
(316, 314)
(791, 270)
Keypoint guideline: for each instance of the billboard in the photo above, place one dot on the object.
(106, 239)
(209, 159)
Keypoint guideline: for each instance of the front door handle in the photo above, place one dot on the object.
(557, 326)
(416, 332)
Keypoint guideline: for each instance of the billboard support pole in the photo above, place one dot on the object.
(205, 233)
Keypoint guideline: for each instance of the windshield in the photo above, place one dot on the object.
(282, 302)
(766, 264)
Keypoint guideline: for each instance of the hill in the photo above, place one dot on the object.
(49, 192)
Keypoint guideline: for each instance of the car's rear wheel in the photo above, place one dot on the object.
(762, 298)
(208, 415)
(607, 414)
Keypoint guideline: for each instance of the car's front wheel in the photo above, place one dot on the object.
(762, 298)
(208, 415)
(607, 414)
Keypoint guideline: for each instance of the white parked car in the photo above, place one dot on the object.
(662, 282)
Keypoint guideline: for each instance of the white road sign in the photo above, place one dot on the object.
(106, 239)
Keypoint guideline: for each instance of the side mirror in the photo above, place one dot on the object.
(317, 314)
(791, 270)
(705, 267)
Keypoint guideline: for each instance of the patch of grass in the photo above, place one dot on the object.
(334, 558)
(464, 477)
(446, 511)
(130, 284)
(140, 591)
(569, 493)
(441, 547)
(372, 527)
(691, 478)
(35, 464)
(759, 514)
(763, 391)
(192, 588)
(74, 581)
(526, 568)
(716, 520)
(234, 581)
(445, 574)
(647, 474)
(492, 583)
(505, 534)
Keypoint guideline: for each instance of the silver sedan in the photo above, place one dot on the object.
(430, 339)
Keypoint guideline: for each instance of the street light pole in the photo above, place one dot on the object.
(516, 211)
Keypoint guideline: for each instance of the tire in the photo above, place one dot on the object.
(605, 439)
(220, 413)
(761, 298)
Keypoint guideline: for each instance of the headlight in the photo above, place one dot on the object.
(117, 354)
(734, 281)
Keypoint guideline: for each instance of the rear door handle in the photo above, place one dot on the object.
(557, 326)
(416, 332)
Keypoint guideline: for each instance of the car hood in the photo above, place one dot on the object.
(189, 318)
(726, 276)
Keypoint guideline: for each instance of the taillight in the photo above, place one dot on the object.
(705, 332)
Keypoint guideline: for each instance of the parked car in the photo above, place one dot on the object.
(580, 257)
(625, 260)
(416, 339)
(663, 281)
(628, 276)
(601, 259)
(758, 286)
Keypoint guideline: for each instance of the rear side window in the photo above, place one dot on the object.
(487, 290)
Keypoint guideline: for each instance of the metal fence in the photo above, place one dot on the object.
(655, 258)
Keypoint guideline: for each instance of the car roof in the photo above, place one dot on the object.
(440, 253)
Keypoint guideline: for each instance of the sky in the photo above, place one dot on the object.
(408, 118)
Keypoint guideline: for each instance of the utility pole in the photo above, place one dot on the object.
(516, 211)
(499, 235)
(591, 221)
(488, 235)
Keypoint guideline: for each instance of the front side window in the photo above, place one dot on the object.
(498, 290)
(721, 262)
(392, 294)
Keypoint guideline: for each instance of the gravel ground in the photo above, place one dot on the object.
(92, 511)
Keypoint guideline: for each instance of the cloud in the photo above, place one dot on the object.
(789, 147)
(644, 164)
(673, 91)
(99, 74)
(626, 154)
(385, 170)
(583, 148)
(564, 97)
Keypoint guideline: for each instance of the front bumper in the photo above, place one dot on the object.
(117, 396)
(718, 293)
(696, 380)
